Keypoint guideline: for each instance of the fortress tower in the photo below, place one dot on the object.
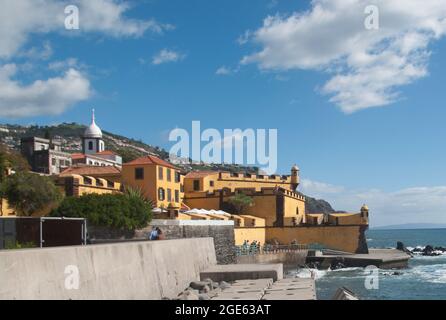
(294, 177)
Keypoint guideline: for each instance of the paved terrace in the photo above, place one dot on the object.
(259, 282)
(267, 289)
(381, 258)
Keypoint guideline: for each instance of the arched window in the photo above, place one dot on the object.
(161, 194)
(90, 145)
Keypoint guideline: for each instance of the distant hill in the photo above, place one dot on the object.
(69, 134)
(313, 205)
(412, 226)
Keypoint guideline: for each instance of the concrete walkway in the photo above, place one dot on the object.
(381, 258)
(267, 289)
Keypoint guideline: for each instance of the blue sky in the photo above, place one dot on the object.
(385, 149)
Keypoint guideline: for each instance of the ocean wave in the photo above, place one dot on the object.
(310, 273)
(434, 273)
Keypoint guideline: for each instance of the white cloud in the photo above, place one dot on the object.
(64, 64)
(42, 97)
(367, 66)
(409, 205)
(166, 55)
(20, 19)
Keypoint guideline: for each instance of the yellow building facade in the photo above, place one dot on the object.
(159, 181)
(274, 197)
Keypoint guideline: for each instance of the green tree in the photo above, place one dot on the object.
(30, 193)
(241, 202)
(11, 159)
(128, 211)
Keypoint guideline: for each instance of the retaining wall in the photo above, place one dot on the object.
(132, 270)
(221, 231)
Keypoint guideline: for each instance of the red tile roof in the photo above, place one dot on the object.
(200, 174)
(151, 160)
(86, 170)
(77, 156)
(107, 153)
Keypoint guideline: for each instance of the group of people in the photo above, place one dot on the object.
(156, 234)
(250, 248)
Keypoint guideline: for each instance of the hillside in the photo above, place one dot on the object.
(69, 135)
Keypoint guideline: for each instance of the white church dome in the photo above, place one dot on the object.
(93, 131)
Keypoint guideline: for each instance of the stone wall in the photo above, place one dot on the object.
(344, 238)
(134, 270)
(221, 231)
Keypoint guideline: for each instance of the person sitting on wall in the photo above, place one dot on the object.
(153, 234)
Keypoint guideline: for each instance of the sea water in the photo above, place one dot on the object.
(425, 278)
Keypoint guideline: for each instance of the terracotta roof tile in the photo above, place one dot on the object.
(85, 170)
(151, 160)
(76, 156)
(107, 152)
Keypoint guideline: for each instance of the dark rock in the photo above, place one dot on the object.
(400, 246)
(199, 285)
(224, 285)
(429, 251)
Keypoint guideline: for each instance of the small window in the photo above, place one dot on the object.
(169, 175)
(110, 184)
(161, 195)
(177, 176)
(196, 185)
(53, 161)
(169, 195)
(177, 196)
(139, 173)
(160, 173)
(87, 181)
(90, 145)
(211, 183)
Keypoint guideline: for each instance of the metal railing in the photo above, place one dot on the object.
(255, 249)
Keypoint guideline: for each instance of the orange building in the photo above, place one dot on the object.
(159, 180)
(274, 197)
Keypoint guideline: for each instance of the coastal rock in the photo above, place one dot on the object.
(429, 251)
(206, 289)
(199, 285)
(400, 246)
(224, 285)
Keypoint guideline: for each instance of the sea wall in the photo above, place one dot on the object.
(344, 238)
(349, 238)
(132, 270)
(291, 258)
(222, 233)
